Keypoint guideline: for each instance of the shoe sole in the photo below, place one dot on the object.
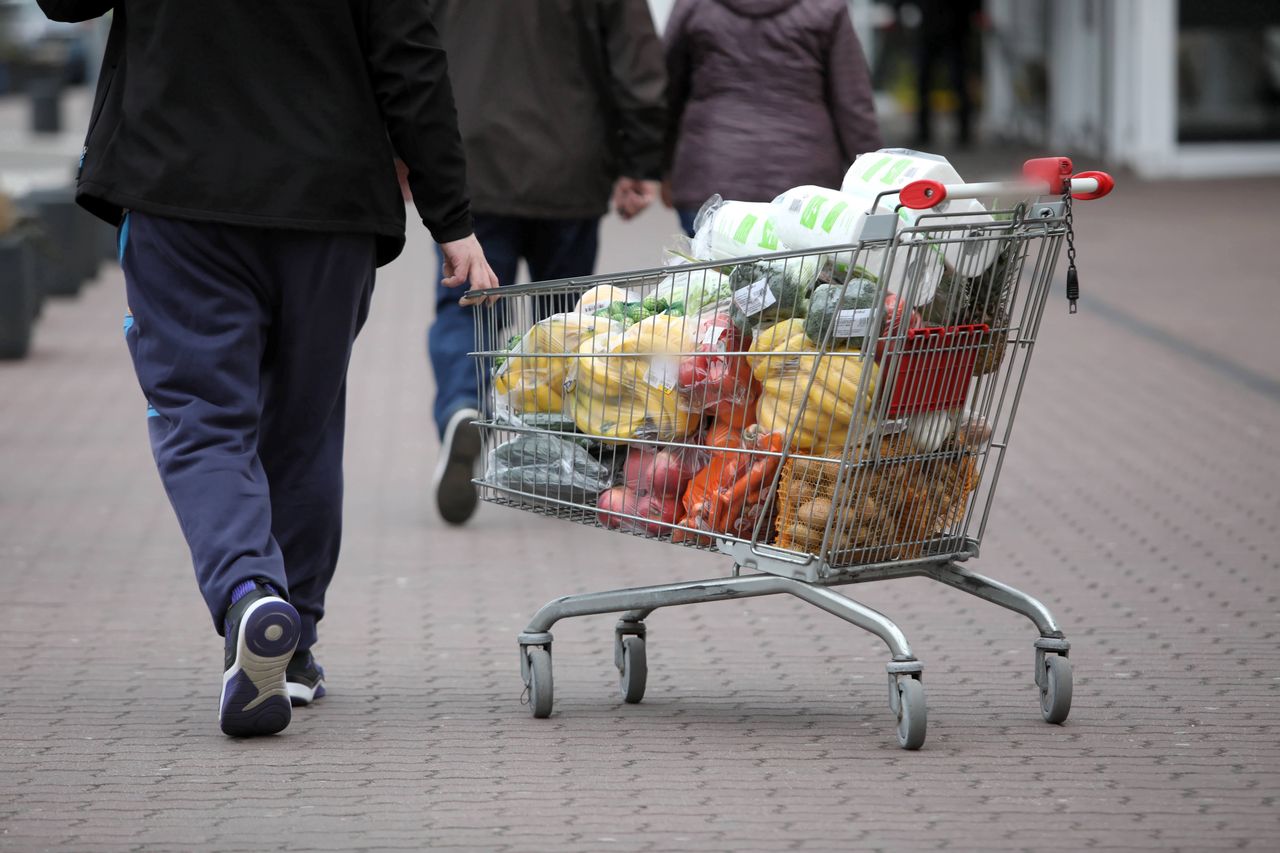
(300, 694)
(456, 495)
(255, 698)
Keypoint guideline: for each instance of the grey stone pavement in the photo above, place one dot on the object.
(1139, 501)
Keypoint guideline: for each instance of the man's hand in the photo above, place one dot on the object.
(668, 198)
(464, 262)
(632, 195)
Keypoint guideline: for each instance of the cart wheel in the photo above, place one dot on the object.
(635, 670)
(912, 716)
(1055, 690)
(540, 683)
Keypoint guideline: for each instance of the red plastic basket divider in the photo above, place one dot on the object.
(935, 368)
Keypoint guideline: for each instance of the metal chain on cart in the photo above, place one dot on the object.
(1073, 281)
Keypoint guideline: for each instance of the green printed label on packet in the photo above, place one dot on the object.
(876, 165)
(809, 216)
(744, 229)
(895, 171)
(769, 236)
(833, 215)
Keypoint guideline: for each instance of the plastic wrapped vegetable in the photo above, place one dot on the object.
(600, 297)
(624, 386)
(729, 494)
(547, 466)
(532, 377)
(693, 290)
(765, 293)
(652, 482)
(811, 396)
(717, 374)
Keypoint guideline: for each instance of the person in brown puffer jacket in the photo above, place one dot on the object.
(764, 95)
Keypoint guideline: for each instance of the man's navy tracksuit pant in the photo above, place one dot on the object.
(241, 338)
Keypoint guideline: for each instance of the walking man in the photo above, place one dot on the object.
(246, 152)
(561, 102)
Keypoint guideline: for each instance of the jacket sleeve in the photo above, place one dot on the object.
(410, 79)
(852, 104)
(637, 82)
(75, 11)
(678, 74)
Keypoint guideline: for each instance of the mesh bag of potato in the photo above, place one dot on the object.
(876, 508)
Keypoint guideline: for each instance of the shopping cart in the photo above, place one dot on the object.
(822, 418)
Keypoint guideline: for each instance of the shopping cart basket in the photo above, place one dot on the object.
(822, 418)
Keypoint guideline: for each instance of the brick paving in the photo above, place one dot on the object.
(1139, 500)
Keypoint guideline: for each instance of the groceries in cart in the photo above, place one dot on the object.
(784, 379)
(891, 498)
(544, 465)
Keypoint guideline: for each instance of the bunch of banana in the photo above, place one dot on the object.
(532, 378)
(816, 393)
(624, 386)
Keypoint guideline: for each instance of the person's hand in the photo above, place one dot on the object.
(632, 195)
(464, 263)
(668, 199)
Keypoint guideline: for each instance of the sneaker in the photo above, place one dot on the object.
(455, 493)
(262, 632)
(304, 678)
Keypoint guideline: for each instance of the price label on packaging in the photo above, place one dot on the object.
(754, 298)
(713, 337)
(662, 373)
(853, 322)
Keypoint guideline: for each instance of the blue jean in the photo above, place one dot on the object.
(240, 338)
(553, 248)
(687, 215)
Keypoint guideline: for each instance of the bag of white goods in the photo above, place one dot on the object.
(734, 229)
(894, 168)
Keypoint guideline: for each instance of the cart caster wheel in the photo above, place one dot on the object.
(912, 716)
(635, 670)
(540, 682)
(1055, 689)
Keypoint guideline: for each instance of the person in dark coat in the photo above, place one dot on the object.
(561, 103)
(764, 95)
(246, 152)
(946, 30)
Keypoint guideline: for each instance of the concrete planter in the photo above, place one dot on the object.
(19, 294)
(74, 236)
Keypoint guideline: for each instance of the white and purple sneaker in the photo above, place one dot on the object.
(305, 678)
(262, 633)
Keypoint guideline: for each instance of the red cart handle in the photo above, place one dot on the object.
(922, 194)
(1105, 182)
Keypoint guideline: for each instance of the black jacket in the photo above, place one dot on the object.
(277, 114)
(556, 99)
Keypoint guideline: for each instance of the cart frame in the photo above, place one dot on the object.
(761, 569)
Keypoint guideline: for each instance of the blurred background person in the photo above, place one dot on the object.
(560, 104)
(764, 95)
(943, 38)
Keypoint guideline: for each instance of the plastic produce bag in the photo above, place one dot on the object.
(717, 378)
(732, 229)
(693, 290)
(624, 386)
(548, 466)
(812, 397)
(531, 378)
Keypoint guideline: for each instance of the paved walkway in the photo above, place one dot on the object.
(1140, 500)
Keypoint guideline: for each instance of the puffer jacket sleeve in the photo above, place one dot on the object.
(637, 82)
(410, 78)
(676, 47)
(75, 11)
(849, 93)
